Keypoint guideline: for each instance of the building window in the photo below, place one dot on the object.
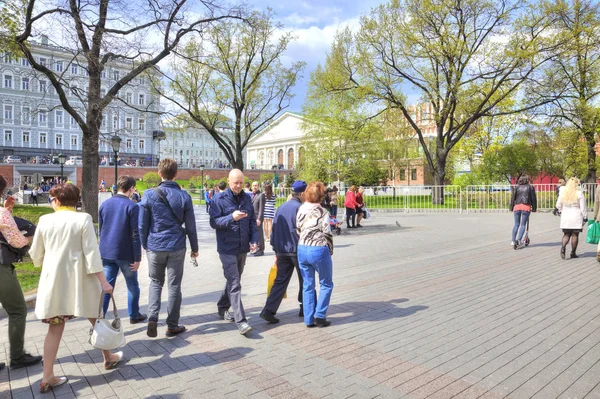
(58, 66)
(42, 86)
(25, 137)
(43, 117)
(74, 141)
(115, 123)
(141, 124)
(142, 99)
(42, 61)
(74, 69)
(59, 140)
(103, 74)
(141, 145)
(8, 81)
(402, 174)
(58, 117)
(24, 62)
(129, 123)
(73, 122)
(129, 144)
(8, 136)
(128, 98)
(116, 75)
(102, 92)
(413, 174)
(26, 115)
(8, 114)
(24, 83)
(43, 139)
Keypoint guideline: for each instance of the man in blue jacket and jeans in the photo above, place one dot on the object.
(120, 244)
(284, 239)
(163, 212)
(232, 216)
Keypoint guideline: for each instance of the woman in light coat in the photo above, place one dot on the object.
(573, 214)
(72, 278)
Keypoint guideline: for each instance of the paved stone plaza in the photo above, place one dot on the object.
(440, 307)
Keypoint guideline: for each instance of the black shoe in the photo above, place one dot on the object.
(138, 319)
(562, 252)
(258, 253)
(268, 316)
(359, 225)
(226, 315)
(171, 332)
(301, 312)
(322, 322)
(350, 227)
(2, 365)
(574, 255)
(152, 325)
(25, 361)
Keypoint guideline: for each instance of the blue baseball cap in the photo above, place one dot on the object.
(299, 186)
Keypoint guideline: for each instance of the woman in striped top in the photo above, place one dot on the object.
(315, 247)
(269, 210)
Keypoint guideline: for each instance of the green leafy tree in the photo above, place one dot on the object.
(512, 161)
(101, 33)
(450, 53)
(152, 179)
(12, 13)
(570, 84)
(235, 69)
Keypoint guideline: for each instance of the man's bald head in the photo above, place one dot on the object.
(236, 180)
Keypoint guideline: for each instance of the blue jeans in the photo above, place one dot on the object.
(521, 218)
(111, 271)
(311, 259)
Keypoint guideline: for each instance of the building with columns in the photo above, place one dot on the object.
(280, 143)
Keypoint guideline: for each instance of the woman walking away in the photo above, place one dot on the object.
(523, 202)
(333, 200)
(72, 279)
(360, 212)
(269, 210)
(315, 247)
(573, 214)
(351, 204)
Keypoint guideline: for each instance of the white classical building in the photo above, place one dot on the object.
(280, 143)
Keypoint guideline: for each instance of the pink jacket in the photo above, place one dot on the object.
(350, 201)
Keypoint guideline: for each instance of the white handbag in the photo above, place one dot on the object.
(106, 334)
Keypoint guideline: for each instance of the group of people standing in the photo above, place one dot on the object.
(76, 270)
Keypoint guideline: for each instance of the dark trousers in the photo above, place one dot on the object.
(233, 267)
(350, 215)
(34, 200)
(261, 236)
(172, 264)
(13, 302)
(285, 269)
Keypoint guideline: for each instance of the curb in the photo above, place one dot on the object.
(30, 301)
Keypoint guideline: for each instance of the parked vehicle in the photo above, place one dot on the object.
(13, 159)
(76, 160)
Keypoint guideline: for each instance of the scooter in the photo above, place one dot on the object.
(524, 240)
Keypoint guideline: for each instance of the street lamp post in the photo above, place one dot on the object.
(202, 184)
(62, 158)
(116, 144)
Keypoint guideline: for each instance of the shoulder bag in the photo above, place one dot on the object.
(107, 335)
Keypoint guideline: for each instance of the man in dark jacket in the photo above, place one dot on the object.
(232, 216)
(120, 246)
(258, 202)
(284, 239)
(163, 211)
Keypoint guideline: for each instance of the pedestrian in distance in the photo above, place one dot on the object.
(351, 205)
(523, 202)
(72, 279)
(284, 240)
(258, 202)
(34, 196)
(270, 201)
(573, 214)
(120, 246)
(597, 216)
(164, 211)
(315, 248)
(360, 209)
(232, 216)
(11, 295)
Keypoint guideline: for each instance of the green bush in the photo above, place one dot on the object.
(152, 179)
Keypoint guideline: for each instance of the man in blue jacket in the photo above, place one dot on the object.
(232, 216)
(120, 246)
(284, 239)
(163, 212)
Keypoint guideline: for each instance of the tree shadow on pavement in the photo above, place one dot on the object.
(371, 311)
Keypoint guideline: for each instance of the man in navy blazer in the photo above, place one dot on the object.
(232, 216)
(120, 245)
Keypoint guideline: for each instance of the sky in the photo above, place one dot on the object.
(315, 23)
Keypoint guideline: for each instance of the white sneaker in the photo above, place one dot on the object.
(512, 243)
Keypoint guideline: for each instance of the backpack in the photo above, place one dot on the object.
(9, 254)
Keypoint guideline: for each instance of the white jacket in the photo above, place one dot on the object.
(572, 215)
(66, 247)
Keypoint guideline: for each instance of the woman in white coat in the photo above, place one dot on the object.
(72, 278)
(573, 214)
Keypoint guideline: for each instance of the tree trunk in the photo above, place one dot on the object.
(439, 175)
(238, 162)
(591, 161)
(89, 176)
